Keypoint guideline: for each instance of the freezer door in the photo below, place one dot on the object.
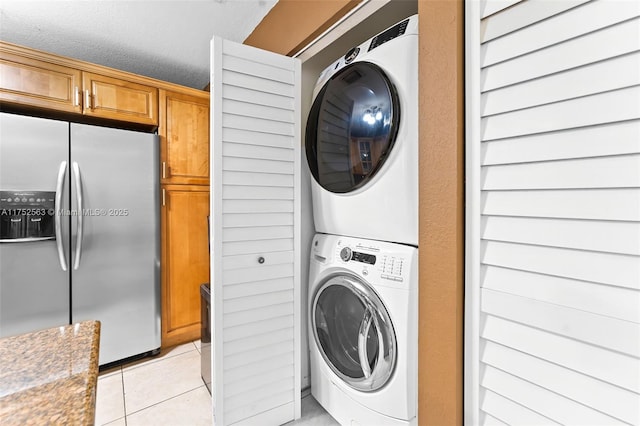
(115, 241)
(34, 288)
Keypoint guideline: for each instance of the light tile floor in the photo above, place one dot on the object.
(168, 390)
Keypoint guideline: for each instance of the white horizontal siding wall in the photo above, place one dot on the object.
(553, 212)
(255, 235)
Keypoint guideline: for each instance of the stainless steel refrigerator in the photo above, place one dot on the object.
(79, 231)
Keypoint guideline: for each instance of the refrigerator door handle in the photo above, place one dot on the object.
(62, 171)
(79, 215)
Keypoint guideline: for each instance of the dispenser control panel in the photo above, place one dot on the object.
(27, 215)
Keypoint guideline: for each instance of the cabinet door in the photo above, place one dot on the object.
(185, 261)
(109, 97)
(40, 84)
(184, 132)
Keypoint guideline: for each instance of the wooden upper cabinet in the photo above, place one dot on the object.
(28, 81)
(184, 133)
(109, 97)
(33, 79)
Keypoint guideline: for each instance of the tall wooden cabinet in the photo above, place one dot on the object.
(185, 260)
(184, 151)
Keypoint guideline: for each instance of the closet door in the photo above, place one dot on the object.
(553, 219)
(255, 205)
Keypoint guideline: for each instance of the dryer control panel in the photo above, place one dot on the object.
(391, 33)
(408, 26)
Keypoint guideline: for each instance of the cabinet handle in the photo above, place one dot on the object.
(163, 198)
(87, 99)
(76, 97)
(164, 170)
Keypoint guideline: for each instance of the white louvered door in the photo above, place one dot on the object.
(255, 229)
(553, 212)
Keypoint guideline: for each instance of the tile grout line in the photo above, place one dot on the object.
(163, 401)
(124, 399)
(121, 371)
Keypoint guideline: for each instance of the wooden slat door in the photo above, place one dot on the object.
(255, 128)
(553, 216)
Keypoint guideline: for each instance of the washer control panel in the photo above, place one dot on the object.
(369, 259)
(346, 254)
(391, 267)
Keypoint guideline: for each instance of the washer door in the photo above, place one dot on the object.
(353, 332)
(352, 127)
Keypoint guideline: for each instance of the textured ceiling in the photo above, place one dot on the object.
(164, 39)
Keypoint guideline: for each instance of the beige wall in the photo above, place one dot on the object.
(292, 24)
(441, 64)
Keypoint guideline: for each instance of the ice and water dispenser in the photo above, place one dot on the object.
(27, 216)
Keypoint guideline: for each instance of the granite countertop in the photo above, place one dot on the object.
(50, 376)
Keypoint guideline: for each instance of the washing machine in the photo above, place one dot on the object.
(363, 330)
(361, 139)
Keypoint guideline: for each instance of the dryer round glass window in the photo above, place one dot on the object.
(352, 127)
(353, 332)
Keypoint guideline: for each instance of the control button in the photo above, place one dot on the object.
(386, 277)
(31, 200)
(398, 279)
(24, 200)
(365, 272)
(351, 54)
(345, 254)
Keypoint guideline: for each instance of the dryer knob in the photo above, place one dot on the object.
(351, 55)
(345, 254)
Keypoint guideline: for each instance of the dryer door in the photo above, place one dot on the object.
(352, 127)
(353, 332)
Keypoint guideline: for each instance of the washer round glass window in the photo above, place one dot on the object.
(353, 332)
(352, 127)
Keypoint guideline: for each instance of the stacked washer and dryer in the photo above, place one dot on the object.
(362, 150)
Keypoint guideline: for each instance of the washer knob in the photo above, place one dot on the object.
(345, 254)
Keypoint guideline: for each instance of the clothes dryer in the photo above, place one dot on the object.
(363, 330)
(362, 139)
